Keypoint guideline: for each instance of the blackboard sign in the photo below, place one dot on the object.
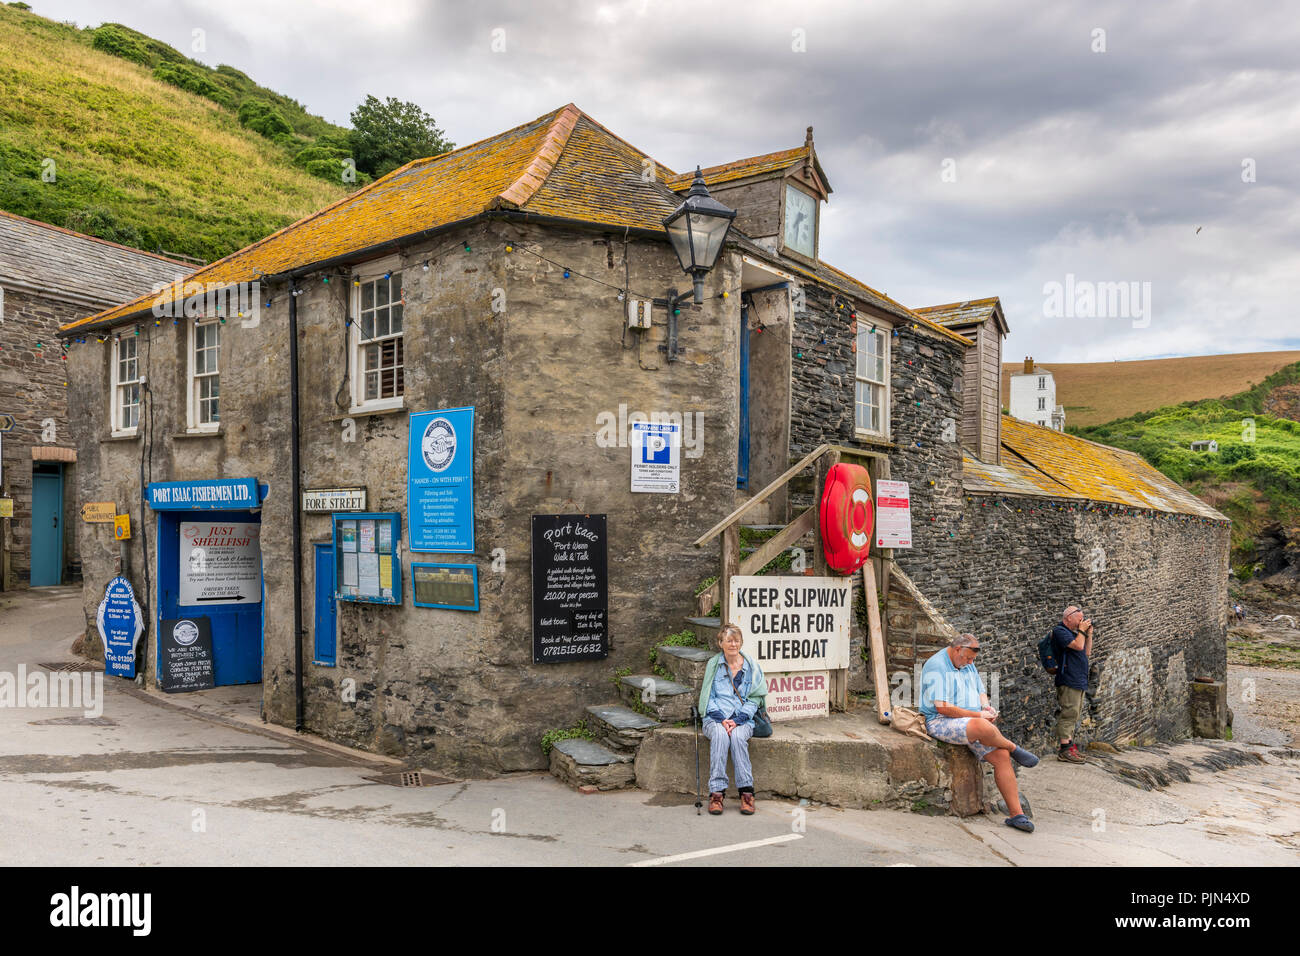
(570, 588)
(185, 655)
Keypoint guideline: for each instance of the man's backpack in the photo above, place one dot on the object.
(1047, 654)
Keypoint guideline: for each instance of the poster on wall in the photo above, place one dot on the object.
(220, 563)
(893, 514)
(570, 588)
(120, 622)
(656, 457)
(440, 481)
(792, 623)
(185, 655)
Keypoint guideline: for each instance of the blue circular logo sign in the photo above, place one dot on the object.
(185, 633)
(438, 444)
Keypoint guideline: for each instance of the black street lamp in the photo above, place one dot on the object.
(697, 229)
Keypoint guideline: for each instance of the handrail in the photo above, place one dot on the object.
(732, 518)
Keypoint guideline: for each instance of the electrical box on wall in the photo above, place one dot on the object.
(638, 313)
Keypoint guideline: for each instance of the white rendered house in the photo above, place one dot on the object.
(1033, 397)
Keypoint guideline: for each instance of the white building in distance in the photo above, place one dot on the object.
(1033, 397)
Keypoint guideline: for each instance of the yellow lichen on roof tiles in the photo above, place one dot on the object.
(421, 195)
(1042, 461)
(597, 179)
(741, 168)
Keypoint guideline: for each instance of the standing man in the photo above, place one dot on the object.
(1072, 644)
(957, 711)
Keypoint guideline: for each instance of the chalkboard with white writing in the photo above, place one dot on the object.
(185, 655)
(570, 588)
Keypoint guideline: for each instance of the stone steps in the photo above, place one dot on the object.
(686, 664)
(668, 701)
(619, 727)
(706, 630)
(583, 763)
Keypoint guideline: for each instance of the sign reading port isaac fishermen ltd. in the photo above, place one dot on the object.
(570, 588)
(794, 623)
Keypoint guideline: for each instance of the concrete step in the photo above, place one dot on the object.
(585, 763)
(686, 664)
(706, 630)
(667, 700)
(846, 759)
(619, 727)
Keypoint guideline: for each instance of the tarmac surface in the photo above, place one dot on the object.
(197, 779)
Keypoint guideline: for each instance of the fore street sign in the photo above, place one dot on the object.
(334, 499)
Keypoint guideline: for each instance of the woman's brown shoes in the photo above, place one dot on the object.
(747, 804)
(715, 803)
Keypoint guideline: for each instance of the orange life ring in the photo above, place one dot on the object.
(846, 517)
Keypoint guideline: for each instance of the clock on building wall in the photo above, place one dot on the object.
(800, 222)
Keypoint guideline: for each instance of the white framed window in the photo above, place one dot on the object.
(378, 353)
(871, 385)
(1042, 404)
(204, 393)
(1042, 383)
(124, 390)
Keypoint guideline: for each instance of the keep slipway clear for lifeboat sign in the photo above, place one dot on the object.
(792, 622)
(220, 563)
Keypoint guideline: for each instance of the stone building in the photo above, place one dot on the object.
(515, 276)
(48, 277)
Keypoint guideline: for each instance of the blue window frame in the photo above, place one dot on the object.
(367, 554)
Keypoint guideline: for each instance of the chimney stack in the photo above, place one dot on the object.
(1029, 365)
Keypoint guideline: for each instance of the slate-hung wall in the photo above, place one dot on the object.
(1006, 575)
(32, 391)
(456, 689)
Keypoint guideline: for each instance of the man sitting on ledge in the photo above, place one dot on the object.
(957, 711)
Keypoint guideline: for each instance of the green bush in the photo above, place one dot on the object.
(194, 81)
(330, 169)
(261, 117)
(116, 39)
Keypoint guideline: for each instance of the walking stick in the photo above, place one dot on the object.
(695, 720)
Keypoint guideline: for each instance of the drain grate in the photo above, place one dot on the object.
(80, 666)
(410, 778)
(75, 722)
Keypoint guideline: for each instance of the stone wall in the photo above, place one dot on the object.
(32, 391)
(1004, 567)
(454, 690)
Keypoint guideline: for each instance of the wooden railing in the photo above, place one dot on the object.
(730, 563)
(823, 458)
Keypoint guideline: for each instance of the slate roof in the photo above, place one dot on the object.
(741, 168)
(971, 312)
(1043, 462)
(48, 260)
(563, 164)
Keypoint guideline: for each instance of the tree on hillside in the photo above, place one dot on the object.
(391, 134)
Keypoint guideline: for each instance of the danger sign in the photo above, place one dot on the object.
(794, 696)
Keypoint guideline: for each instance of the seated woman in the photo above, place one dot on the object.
(733, 689)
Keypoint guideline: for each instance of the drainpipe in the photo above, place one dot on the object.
(295, 496)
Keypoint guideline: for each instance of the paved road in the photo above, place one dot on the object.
(151, 784)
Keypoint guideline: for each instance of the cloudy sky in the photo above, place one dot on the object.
(975, 149)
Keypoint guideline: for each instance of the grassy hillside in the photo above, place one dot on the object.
(139, 160)
(1098, 392)
(1254, 478)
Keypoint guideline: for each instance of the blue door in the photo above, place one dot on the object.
(47, 526)
(742, 463)
(236, 627)
(326, 642)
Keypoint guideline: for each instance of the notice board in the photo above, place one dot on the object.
(368, 561)
(185, 655)
(570, 563)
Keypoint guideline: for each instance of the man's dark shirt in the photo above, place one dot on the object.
(1071, 665)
